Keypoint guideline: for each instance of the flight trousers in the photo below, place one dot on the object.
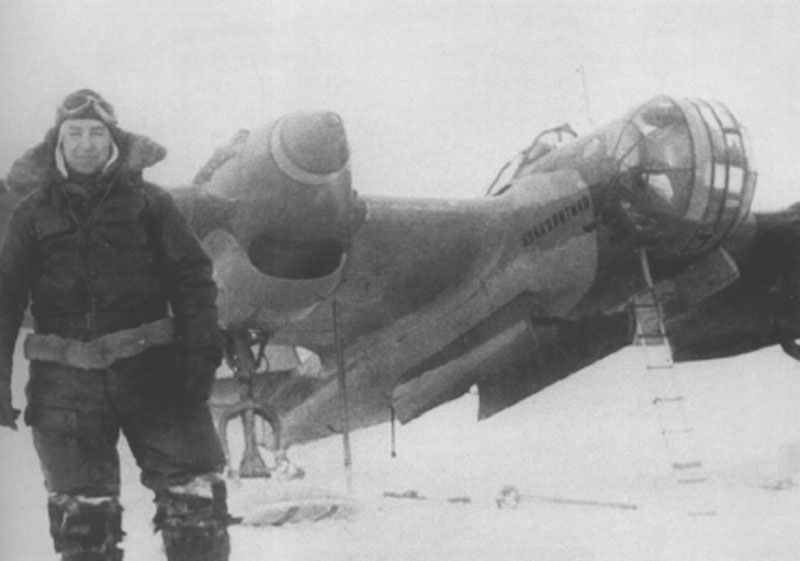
(77, 416)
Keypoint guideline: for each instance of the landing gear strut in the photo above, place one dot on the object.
(244, 363)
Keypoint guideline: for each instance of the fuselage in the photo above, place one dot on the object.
(410, 277)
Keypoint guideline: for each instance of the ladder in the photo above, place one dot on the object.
(666, 395)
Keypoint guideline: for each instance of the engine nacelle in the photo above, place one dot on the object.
(276, 211)
(676, 174)
(290, 182)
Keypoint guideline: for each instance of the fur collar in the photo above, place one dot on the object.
(36, 168)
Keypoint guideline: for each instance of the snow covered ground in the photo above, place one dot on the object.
(586, 447)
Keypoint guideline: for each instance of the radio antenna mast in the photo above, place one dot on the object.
(582, 71)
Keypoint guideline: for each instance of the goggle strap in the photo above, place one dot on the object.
(104, 114)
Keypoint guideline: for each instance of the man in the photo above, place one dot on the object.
(103, 255)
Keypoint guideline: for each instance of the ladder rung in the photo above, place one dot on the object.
(695, 464)
(652, 337)
(692, 480)
(702, 513)
(665, 366)
(675, 399)
(654, 341)
(647, 309)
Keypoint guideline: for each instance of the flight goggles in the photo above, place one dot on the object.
(82, 105)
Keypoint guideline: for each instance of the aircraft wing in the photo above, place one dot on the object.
(406, 256)
(511, 364)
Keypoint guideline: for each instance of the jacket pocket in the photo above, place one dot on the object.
(50, 226)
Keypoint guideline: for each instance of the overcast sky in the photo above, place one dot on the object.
(435, 95)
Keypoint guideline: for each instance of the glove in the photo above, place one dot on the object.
(8, 415)
(198, 372)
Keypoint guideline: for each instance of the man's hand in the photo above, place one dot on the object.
(8, 415)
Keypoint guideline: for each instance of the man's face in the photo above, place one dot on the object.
(86, 144)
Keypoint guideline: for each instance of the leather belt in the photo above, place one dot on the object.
(102, 352)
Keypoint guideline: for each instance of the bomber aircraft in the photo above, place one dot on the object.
(581, 245)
